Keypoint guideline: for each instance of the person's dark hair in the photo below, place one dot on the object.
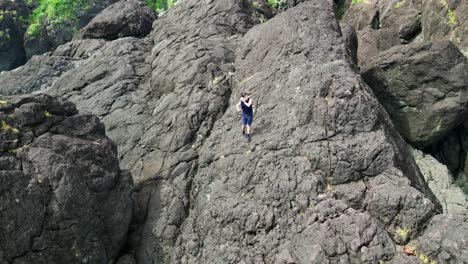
(244, 94)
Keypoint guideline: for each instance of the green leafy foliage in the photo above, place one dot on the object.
(56, 11)
(160, 5)
(357, 1)
(278, 4)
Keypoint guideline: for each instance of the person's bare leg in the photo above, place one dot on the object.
(248, 129)
(243, 129)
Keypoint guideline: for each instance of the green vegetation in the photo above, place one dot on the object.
(65, 11)
(56, 11)
(160, 5)
(340, 8)
(402, 232)
(7, 127)
(452, 18)
(278, 4)
(425, 259)
(450, 13)
(399, 3)
(357, 1)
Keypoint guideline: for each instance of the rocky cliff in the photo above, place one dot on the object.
(327, 177)
(63, 197)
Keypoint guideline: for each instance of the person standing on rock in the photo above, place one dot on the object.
(245, 104)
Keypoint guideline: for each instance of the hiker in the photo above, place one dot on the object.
(245, 104)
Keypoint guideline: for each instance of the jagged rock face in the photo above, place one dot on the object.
(383, 24)
(446, 20)
(422, 87)
(444, 240)
(158, 107)
(50, 35)
(64, 198)
(351, 41)
(326, 179)
(317, 127)
(125, 18)
(441, 182)
(12, 27)
(38, 73)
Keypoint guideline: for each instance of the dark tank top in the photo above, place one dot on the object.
(246, 110)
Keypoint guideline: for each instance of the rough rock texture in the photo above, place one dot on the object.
(442, 184)
(327, 178)
(50, 35)
(445, 240)
(63, 197)
(12, 28)
(351, 41)
(38, 73)
(123, 19)
(452, 150)
(267, 202)
(446, 19)
(381, 25)
(423, 87)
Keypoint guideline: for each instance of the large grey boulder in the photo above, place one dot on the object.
(12, 28)
(123, 19)
(63, 197)
(442, 184)
(324, 157)
(381, 25)
(423, 87)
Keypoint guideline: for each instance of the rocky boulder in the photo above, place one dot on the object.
(13, 16)
(326, 179)
(381, 25)
(422, 87)
(63, 197)
(441, 182)
(123, 19)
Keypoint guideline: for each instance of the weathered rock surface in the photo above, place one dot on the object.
(442, 184)
(63, 197)
(351, 41)
(446, 20)
(445, 240)
(267, 202)
(327, 179)
(12, 28)
(381, 25)
(126, 18)
(423, 87)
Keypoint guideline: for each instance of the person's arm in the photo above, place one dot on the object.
(238, 106)
(249, 103)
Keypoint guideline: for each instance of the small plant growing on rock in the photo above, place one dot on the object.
(402, 232)
(7, 127)
(357, 1)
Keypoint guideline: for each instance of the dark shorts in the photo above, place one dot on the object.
(247, 120)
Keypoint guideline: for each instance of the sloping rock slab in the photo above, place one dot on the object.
(322, 148)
